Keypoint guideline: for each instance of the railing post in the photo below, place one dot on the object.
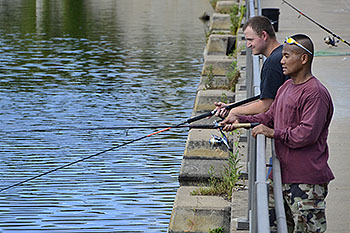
(277, 192)
(262, 211)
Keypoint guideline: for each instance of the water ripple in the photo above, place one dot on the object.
(100, 64)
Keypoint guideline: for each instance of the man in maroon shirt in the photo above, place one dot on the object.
(298, 120)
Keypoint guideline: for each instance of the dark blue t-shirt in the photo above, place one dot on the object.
(272, 76)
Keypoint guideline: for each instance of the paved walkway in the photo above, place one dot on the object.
(334, 72)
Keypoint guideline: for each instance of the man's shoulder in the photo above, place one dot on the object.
(286, 84)
(316, 86)
(275, 56)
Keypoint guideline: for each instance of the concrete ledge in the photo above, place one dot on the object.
(220, 44)
(220, 22)
(205, 99)
(198, 146)
(239, 213)
(241, 83)
(217, 66)
(217, 82)
(202, 213)
(196, 171)
(225, 6)
(198, 213)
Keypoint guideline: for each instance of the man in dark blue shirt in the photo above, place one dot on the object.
(261, 38)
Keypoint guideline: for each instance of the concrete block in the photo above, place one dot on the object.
(217, 82)
(221, 31)
(220, 22)
(241, 63)
(239, 211)
(225, 7)
(198, 146)
(196, 171)
(241, 48)
(215, 66)
(198, 213)
(220, 44)
(205, 99)
(241, 87)
(241, 95)
(242, 80)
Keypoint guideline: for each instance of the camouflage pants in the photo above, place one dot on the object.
(304, 206)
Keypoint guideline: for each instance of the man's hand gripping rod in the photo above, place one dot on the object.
(229, 107)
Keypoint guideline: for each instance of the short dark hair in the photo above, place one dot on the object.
(260, 24)
(306, 42)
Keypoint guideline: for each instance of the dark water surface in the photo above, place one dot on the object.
(94, 63)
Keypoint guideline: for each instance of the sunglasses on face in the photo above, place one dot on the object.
(290, 40)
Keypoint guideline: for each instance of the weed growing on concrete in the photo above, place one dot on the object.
(225, 185)
(224, 98)
(217, 230)
(242, 48)
(213, 3)
(209, 81)
(233, 76)
(229, 10)
(235, 17)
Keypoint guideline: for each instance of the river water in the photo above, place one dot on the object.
(76, 64)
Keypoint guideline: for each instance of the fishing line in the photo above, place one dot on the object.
(241, 125)
(82, 159)
(324, 28)
(124, 127)
(127, 128)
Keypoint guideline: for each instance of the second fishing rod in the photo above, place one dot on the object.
(332, 41)
(185, 124)
(188, 121)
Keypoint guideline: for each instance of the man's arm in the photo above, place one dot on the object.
(260, 106)
(253, 108)
(308, 130)
(265, 118)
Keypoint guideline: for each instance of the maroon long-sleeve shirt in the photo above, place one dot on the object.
(300, 116)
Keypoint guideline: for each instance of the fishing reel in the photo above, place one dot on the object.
(215, 140)
(331, 41)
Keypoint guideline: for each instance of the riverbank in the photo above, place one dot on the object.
(195, 212)
(98, 64)
(224, 60)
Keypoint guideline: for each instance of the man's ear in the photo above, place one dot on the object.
(264, 35)
(304, 58)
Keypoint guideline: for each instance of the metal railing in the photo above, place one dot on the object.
(258, 213)
(277, 192)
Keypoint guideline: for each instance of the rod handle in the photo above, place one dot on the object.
(246, 125)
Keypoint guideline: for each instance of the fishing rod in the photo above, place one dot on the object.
(324, 28)
(240, 125)
(124, 127)
(181, 125)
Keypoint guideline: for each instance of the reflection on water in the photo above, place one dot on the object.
(93, 63)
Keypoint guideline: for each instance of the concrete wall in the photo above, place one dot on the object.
(201, 213)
